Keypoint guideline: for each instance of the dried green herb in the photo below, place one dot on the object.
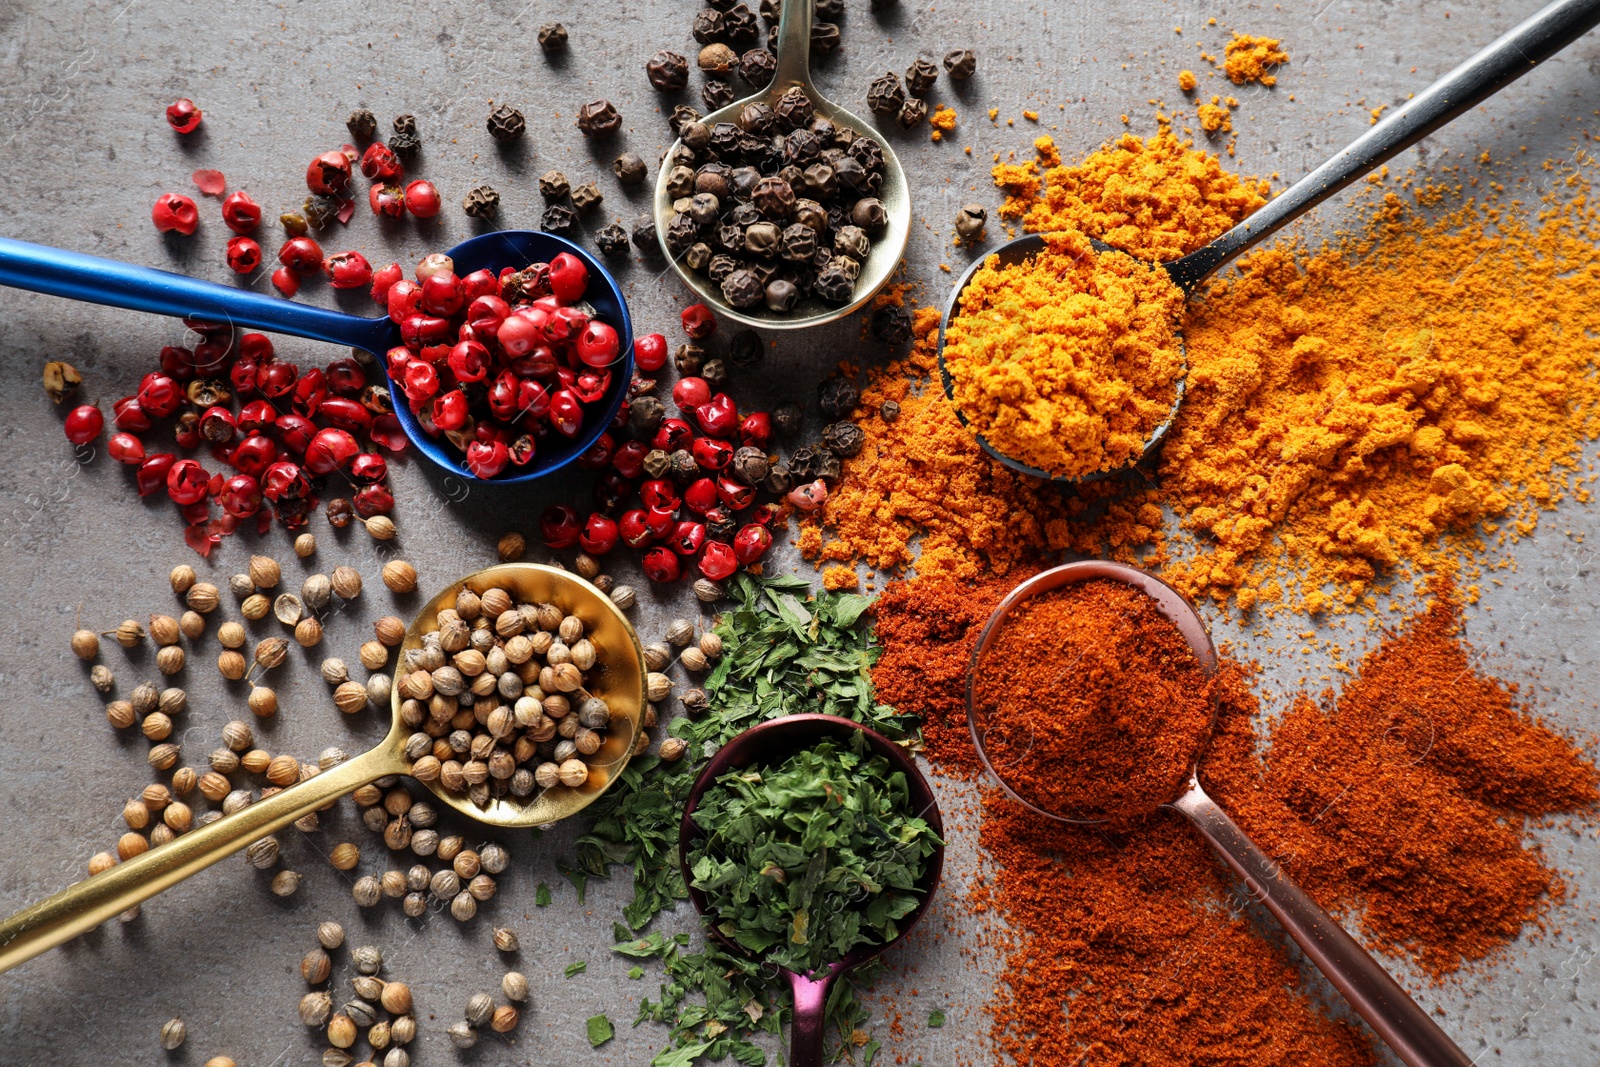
(575, 968)
(541, 896)
(600, 1030)
(635, 972)
(809, 860)
(936, 1017)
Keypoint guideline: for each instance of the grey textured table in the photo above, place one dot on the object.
(85, 151)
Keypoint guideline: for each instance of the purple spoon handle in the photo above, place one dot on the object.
(1400, 1021)
(806, 1028)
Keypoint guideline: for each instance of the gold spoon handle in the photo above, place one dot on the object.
(86, 904)
(794, 43)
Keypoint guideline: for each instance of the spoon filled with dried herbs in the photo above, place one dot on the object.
(812, 843)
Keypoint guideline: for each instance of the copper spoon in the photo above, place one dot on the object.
(1402, 1024)
(771, 742)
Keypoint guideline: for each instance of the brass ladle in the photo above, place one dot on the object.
(1508, 58)
(1402, 1024)
(618, 679)
(794, 69)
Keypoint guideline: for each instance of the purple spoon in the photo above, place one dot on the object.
(771, 742)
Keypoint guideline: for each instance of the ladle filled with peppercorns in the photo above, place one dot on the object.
(1038, 421)
(519, 701)
(1090, 699)
(782, 210)
(518, 313)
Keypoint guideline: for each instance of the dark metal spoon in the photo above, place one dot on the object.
(1402, 1024)
(772, 742)
(1508, 58)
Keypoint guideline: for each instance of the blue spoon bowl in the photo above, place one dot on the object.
(57, 272)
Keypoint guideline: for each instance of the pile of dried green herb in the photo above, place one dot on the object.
(806, 861)
(783, 652)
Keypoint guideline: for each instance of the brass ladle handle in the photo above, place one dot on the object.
(794, 44)
(84, 905)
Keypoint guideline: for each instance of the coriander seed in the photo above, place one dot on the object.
(657, 657)
(145, 698)
(373, 655)
(163, 757)
(396, 998)
(231, 635)
(350, 697)
(389, 630)
(231, 664)
(511, 547)
(262, 854)
(315, 966)
(86, 644)
(346, 582)
(680, 632)
(480, 1006)
(156, 726)
(673, 749)
(288, 608)
(164, 630)
(462, 1035)
(315, 1008)
(241, 586)
(334, 672)
(400, 576)
(172, 1034)
(128, 633)
(505, 939)
(184, 779)
(403, 1031)
(191, 624)
(316, 591)
(264, 571)
(305, 546)
(271, 652)
(255, 607)
(286, 883)
(380, 527)
(170, 659)
(263, 701)
(366, 892)
(172, 701)
(101, 678)
(504, 1020)
(131, 844)
(344, 856)
(203, 597)
(330, 935)
(308, 633)
(119, 713)
(136, 815)
(336, 1057)
(624, 596)
(368, 959)
(341, 1031)
(515, 986)
(101, 862)
(361, 1013)
(238, 736)
(367, 987)
(182, 578)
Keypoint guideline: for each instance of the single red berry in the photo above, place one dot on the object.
(183, 116)
(382, 279)
(717, 416)
(301, 255)
(419, 331)
(480, 283)
(151, 476)
(660, 523)
(240, 496)
(346, 413)
(346, 377)
(257, 415)
(240, 213)
(712, 454)
(348, 270)
(274, 378)
(559, 526)
(751, 543)
(125, 448)
(387, 199)
(244, 254)
(519, 333)
(449, 410)
(186, 431)
(286, 281)
(659, 493)
(698, 322)
(718, 561)
(254, 455)
(599, 535)
(380, 163)
(661, 565)
(672, 435)
(175, 213)
(421, 380)
(486, 313)
(217, 425)
(295, 431)
(470, 361)
(369, 468)
(628, 460)
(373, 500)
(403, 300)
(568, 278)
(159, 395)
(128, 414)
(734, 494)
(632, 530)
(188, 482)
(688, 538)
(330, 450)
(422, 199)
(566, 412)
(650, 352)
(598, 455)
(329, 174)
(756, 429)
(284, 480)
(689, 393)
(442, 294)
(523, 449)
(700, 496)
(309, 392)
(84, 424)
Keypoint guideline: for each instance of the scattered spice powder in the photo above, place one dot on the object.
(1187, 80)
(943, 121)
(1068, 360)
(1090, 703)
(1214, 118)
(1247, 58)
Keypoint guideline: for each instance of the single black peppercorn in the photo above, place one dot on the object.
(757, 118)
(798, 243)
(708, 26)
(716, 93)
(970, 222)
(750, 465)
(803, 463)
(868, 212)
(720, 267)
(891, 324)
(838, 396)
(913, 112)
(779, 480)
(481, 202)
(553, 37)
(715, 372)
(629, 168)
(867, 152)
(961, 64)
(405, 145)
(612, 240)
(680, 119)
(774, 198)
(703, 208)
(644, 235)
(782, 295)
(771, 10)
(844, 439)
(757, 66)
(746, 349)
(761, 240)
(787, 418)
(740, 27)
(598, 117)
(644, 415)
(831, 10)
(553, 185)
(657, 463)
(405, 124)
(668, 71)
(743, 289)
(688, 358)
(890, 411)
(801, 148)
(684, 467)
(794, 108)
(830, 468)
(587, 197)
(699, 256)
(717, 60)
(559, 219)
(681, 233)
(506, 123)
(362, 123)
(824, 37)
(834, 284)
(920, 77)
(822, 181)
(851, 241)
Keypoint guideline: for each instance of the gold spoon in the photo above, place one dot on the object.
(794, 69)
(618, 679)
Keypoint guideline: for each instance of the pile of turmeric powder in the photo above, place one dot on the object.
(1246, 59)
(1067, 360)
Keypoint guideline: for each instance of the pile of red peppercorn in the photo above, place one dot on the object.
(494, 364)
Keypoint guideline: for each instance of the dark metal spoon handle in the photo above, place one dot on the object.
(1515, 53)
(113, 283)
(806, 1027)
(1402, 1024)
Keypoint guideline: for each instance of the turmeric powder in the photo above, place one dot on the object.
(1247, 58)
(1068, 360)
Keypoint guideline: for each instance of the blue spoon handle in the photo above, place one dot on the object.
(57, 272)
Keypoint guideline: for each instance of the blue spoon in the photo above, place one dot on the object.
(57, 272)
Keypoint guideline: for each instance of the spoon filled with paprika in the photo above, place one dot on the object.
(1051, 398)
(1090, 700)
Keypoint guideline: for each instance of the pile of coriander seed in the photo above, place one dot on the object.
(381, 1011)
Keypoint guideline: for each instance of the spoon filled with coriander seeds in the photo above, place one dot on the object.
(518, 701)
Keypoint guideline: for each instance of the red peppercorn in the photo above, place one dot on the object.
(128, 414)
(689, 393)
(658, 493)
(470, 361)
(301, 255)
(700, 496)
(284, 480)
(380, 163)
(650, 352)
(159, 395)
(125, 448)
(698, 321)
(187, 482)
(734, 494)
(254, 455)
(286, 281)
(632, 530)
(756, 430)
(599, 535)
(422, 199)
(480, 283)
(348, 270)
(382, 279)
(403, 300)
(244, 254)
(598, 455)
(386, 199)
(368, 468)
(598, 344)
(295, 431)
(183, 116)
(660, 522)
(449, 410)
(751, 543)
(442, 294)
(628, 460)
(661, 565)
(559, 526)
(523, 449)
(329, 174)
(217, 425)
(569, 278)
(712, 454)
(566, 412)
(257, 415)
(717, 416)
(240, 213)
(240, 496)
(346, 377)
(688, 538)
(84, 423)
(329, 450)
(186, 431)
(373, 500)
(718, 561)
(151, 475)
(175, 213)
(672, 435)
(275, 378)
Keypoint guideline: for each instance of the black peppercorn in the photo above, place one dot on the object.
(405, 145)
(712, 178)
(831, 10)
(481, 202)
(782, 295)
(810, 213)
(558, 219)
(868, 213)
(553, 37)
(757, 118)
(867, 152)
(745, 350)
(913, 112)
(681, 233)
(843, 439)
(761, 239)
(684, 467)
(612, 240)
(698, 257)
(506, 123)
(801, 147)
(703, 208)
(730, 236)
(405, 124)
(644, 235)
(682, 115)
(885, 95)
(739, 25)
(851, 241)
(720, 267)
(961, 64)
(771, 10)
(715, 372)
(645, 415)
(970, 221)
(553, 185)
(587, 196)
(838, 396)
(708, 26)
(667, 71)
(774, 198)
(629, 168)
(891, 324)
(598, 118)
(362, 123)
(824, 37)
(890, 411)
(822, 181)
(688, 358)
(657, 463)
(829, 467)
(750, 465)
(786, 419)
(743, 289)
(716, 93)
(920, 77)
(798, 243)
(803, 463)
(680, 182)
(757, 66)
(779, 480)
(834, 284)
(794, 108)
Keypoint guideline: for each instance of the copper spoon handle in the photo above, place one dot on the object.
(1513, 54)
(806, 1035)
(1402, 1024)
(84, 905)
